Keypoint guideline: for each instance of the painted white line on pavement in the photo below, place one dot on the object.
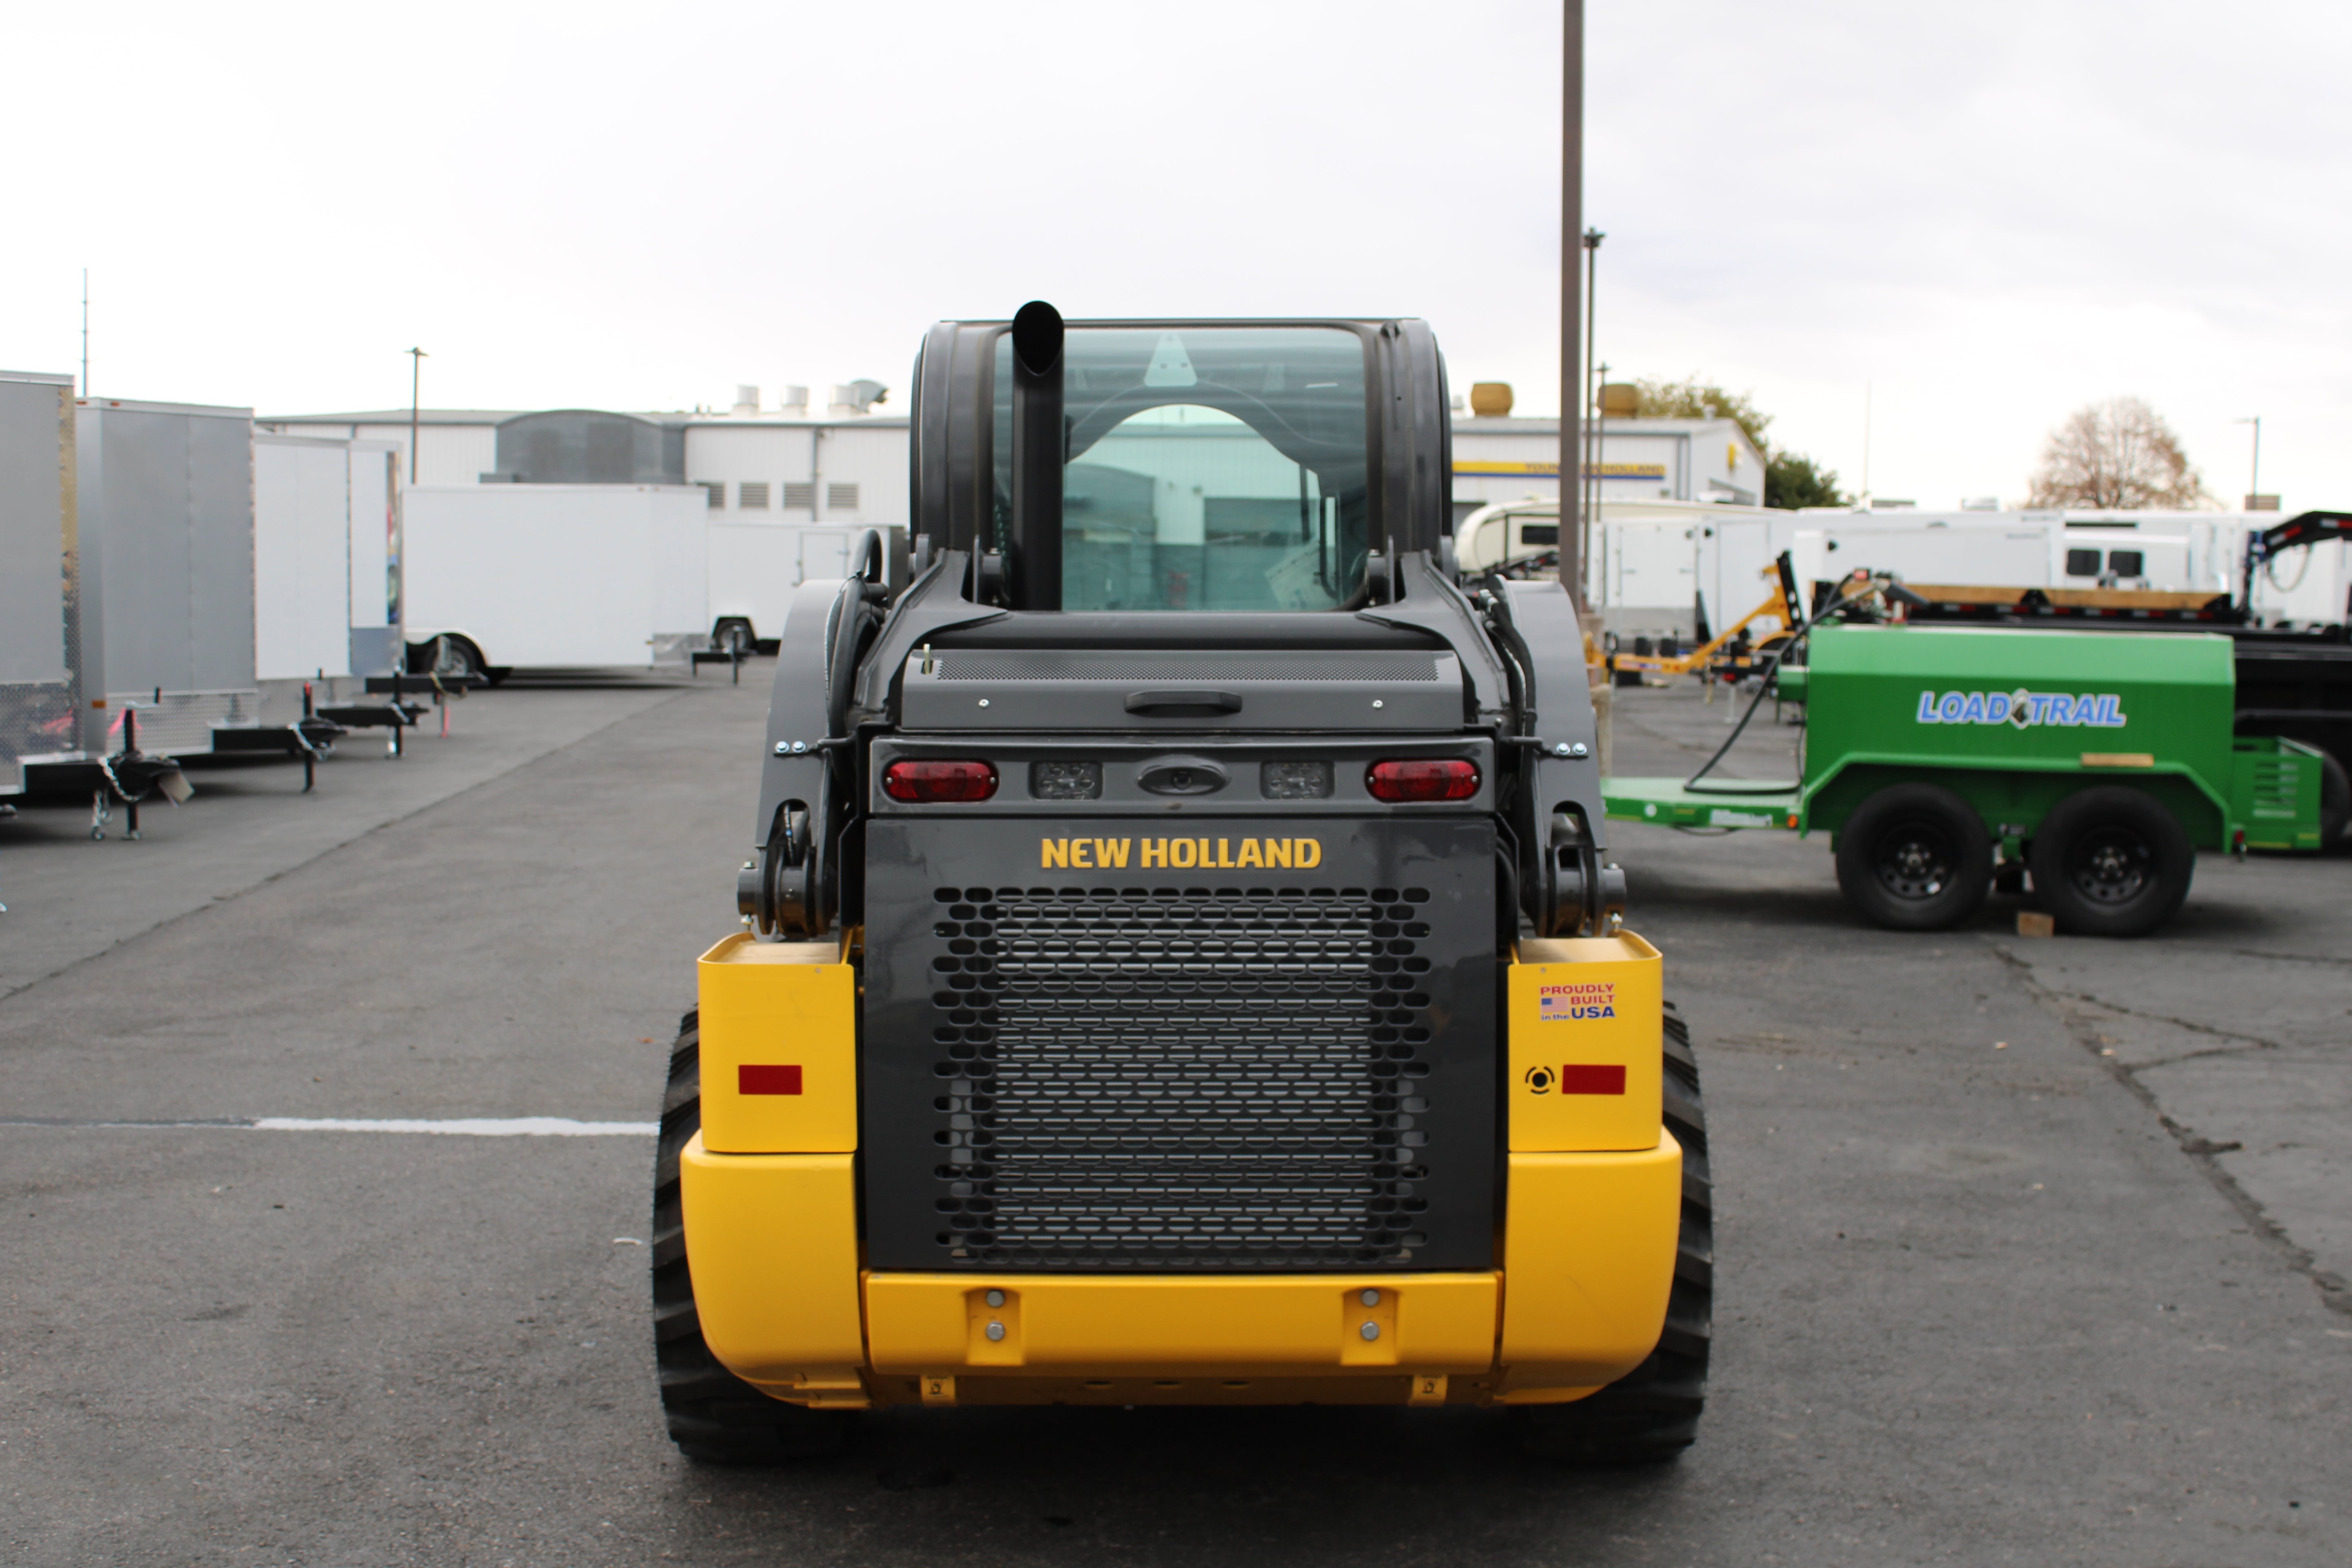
(463, 1127)
(475, 1127)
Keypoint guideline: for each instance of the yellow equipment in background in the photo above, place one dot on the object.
(1730, 654)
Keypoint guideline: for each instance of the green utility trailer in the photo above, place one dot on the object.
(1942, 760)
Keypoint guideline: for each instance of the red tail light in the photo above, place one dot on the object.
(931, 781)
(1422, 778)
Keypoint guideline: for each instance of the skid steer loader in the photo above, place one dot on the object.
(1181, 963)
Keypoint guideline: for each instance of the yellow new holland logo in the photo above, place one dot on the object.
(1179, 854)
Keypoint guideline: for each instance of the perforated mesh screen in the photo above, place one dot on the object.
(1171, 1078)
(1031, 665)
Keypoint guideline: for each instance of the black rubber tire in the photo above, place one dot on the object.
(447, 655)
(2111, 860)
(1915, 856)
(1651, 1414)
(2335, 804)
(733, 629)
(713, 1416)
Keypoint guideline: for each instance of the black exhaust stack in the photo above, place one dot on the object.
(1039, 449)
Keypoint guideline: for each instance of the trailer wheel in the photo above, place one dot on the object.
(1651, 1414)
(2112, 861)
(447, 655)
(2335, 803)
(713, 1416)
(732, 634)
(1915, 856)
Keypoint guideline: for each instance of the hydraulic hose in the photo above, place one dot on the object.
(1763, 687)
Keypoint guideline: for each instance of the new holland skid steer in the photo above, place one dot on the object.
(1180, 964)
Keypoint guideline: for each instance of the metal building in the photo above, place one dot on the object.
(1687, 460)
(454, 446)
(589, 447)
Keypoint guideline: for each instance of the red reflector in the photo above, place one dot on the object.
(1422, 778)
(768, 1079)
(928, 781)
(1591, 1081)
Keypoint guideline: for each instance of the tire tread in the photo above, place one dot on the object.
(1651, 1413)
(712, 1415)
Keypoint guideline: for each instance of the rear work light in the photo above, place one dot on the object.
(931, 783)
(1422, 778)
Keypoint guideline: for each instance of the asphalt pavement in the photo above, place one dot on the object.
(1987, 1293)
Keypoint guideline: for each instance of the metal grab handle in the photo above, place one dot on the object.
(1194, 701)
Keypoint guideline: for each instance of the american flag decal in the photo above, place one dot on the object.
(1571, 1003)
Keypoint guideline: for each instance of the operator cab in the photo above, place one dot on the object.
(1239, 467)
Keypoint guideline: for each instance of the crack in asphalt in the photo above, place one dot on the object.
(2195, 1055)
(2204, 1153)
(2290, 957)
(2252, 1042)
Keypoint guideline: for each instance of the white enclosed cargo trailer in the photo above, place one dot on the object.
(164, 498)
(755, 566)
(325, 567)
(1649, 559)
(377, 647)
(2308, 587)
(554, 576)
(2015, 556)
(41, 709)
(301, 557)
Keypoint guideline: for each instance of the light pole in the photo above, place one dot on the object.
(2254, 479)
(1571, 223)
(416, 358)
(1588, 483)
(1600, 452)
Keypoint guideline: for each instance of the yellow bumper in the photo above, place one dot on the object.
(1587, 1258)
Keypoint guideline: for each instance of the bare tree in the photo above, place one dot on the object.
(2118, 454)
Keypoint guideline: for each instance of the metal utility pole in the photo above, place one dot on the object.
(1589, 478)
(1592, 507)
(1571, 226)
(416, 358)
(85, 331)
(2255, 480)
(1866, 446)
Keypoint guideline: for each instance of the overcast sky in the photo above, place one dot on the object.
(1987, 214)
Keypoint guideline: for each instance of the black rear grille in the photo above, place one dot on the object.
(1282, 1068)
(1169, 1080)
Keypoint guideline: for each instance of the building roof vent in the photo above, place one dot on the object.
(858, 397)
(747, 401)
(1490, 399)
(792, 400)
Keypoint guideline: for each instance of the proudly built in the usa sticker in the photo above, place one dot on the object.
(1577, 1002)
